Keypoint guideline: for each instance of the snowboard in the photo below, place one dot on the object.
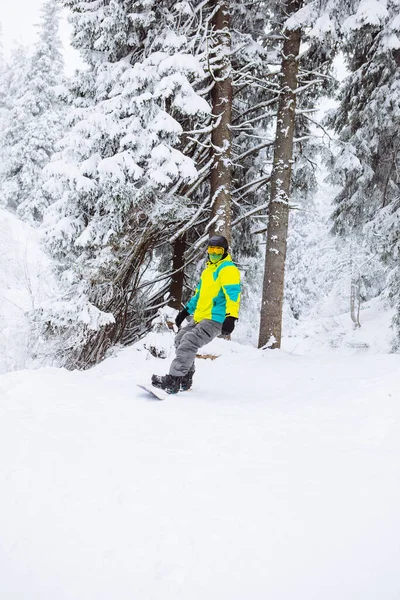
(157, 393)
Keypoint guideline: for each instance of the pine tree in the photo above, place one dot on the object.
(124, 185)
(272, 302)
(221, 139)
(117, 179)
(368, 126)
(234, 147)
(13, 74)
(34, 119)
(318, 24)
(3, 94)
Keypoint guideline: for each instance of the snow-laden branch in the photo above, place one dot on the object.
(251, 212)
(303, 138)
(316, 74)
(208, 129)
(248, 79)
(301, 88)
(208, 145)
(257, 107)
(205, 91)
(254, 150)
(255, 182)
(305, 111)
(191, 222)
(321, 127)
(200, 6)
(250, 122)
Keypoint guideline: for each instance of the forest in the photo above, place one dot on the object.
(272, 123)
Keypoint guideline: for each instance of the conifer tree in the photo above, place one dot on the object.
(3, 95)
(234, 146)
(272, 301)
(13, 75)
(117, 179)
(367, 123)
(34, 118)
(303, 80)
(133, 173)
(221, 139)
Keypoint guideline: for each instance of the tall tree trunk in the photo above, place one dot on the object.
(178, 261)
(275, 255)
(221, 172)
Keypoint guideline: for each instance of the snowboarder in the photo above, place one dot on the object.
(215, 309)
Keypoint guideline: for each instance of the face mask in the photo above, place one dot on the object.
(214, 258)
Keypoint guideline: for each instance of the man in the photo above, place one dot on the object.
(215, 309)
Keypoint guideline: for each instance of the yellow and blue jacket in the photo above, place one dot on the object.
(218, 293)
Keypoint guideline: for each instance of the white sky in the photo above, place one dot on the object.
(18, 19)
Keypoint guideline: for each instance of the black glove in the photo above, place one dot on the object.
(181, 316)
(228, 325)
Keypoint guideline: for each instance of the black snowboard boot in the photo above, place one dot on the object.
(170, 383)
(187, 380)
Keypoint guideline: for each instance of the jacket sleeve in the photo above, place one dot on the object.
(230, 284)
(191, 305)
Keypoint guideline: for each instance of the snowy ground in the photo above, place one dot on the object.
(277, 477)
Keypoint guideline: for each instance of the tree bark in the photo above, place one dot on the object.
(275, 255)
(221, 171)
(178, 261)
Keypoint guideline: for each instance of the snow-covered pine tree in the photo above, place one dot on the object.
(253, 68)
(304, 78)
(12, 75)
(221, 138)
(3, 93)
(368, 126)
(117, 179)
(237, 72)
(2, 69)
(254, 60)
(366, 166)
(255, 96)
(311, 250)
(275, 254)
(245, 73)
(34, 119)
(177, 209)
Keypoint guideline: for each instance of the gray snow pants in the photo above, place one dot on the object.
(188, 340)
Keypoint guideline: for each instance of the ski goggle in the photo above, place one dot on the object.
(215, 250)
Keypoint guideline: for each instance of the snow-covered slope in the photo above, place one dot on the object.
(276, 477)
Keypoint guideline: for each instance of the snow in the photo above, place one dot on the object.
(328, 329)
(369, 12)
(116, 166)
(323, 25)
(303, 17)
(276, 476)
(26, 281)
(391, 42)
